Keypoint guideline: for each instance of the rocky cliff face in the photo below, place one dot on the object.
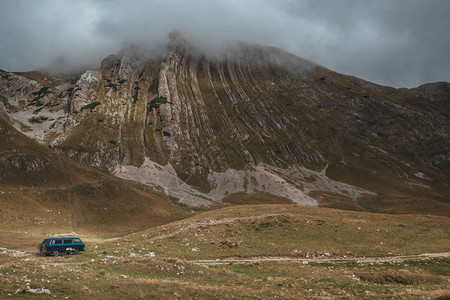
(250, 119)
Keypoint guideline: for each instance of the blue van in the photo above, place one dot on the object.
(61, 246)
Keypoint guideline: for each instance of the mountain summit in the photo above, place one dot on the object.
(247, 124)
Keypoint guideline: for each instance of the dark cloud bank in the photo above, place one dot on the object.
(391, 42)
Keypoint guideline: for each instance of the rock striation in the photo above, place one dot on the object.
(248, 119)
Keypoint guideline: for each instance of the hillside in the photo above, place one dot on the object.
(44, 191)
(251, 121)
(247, 252)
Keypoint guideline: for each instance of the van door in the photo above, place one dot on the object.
(58, 245)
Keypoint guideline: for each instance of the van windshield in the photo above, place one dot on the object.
(77, 241)
(47, 241)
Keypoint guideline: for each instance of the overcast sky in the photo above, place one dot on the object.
(401, 43)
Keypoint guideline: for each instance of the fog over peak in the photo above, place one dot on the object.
(391, 42)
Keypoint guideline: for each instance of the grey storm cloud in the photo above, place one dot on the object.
(391, 42)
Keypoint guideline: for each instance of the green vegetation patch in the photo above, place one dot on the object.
(44, 91)
(136, 92)
(38, 119)
(395, 277)
(91, 105)
(70, 92)
(8, 106)
(112, 85)
(156, 102)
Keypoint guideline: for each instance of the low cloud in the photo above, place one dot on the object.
(391, 42)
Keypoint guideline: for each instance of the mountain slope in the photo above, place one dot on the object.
(253, 119)
(43, 189)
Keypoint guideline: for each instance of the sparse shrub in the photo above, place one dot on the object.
(136, 91)
(112, 85)
(5, 102)
(70, 92)
(155, 103)
(91, 105)
(38, 119)
(44, 91)
(81, 149)
(36, 111)
(393, 277)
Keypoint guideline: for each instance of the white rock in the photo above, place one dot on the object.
(38, 291)
(419, 175)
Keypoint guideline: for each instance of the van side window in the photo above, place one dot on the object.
(58, 241)
(67, 241)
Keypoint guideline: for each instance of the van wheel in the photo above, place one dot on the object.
(55, 253)
(76, 251)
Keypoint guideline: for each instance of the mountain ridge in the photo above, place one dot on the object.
(252, 106)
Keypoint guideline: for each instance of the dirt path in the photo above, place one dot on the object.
(358, 260)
